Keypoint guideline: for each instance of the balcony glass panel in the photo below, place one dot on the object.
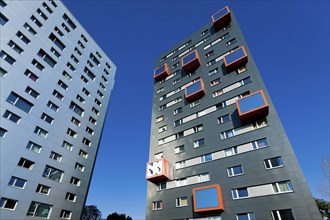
(160, 70)
(220, 13)
(189, 58)
(235, 55)
(194, 88)
(207, 198)
(251, 102)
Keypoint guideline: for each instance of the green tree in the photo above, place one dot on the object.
(91, 212)
(116, 216)
(324, 207)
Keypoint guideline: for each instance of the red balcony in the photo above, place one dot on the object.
(194, 91)
(161, 72)
(252, 107)
(208, 198)
(235, 59)
(191, 62)
(159, 171)
(221, 18)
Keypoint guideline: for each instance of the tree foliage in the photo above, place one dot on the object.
(324, 207)
(91, 212)
(116, 216)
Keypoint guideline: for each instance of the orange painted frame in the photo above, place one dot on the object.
(220, 200)
(223, 20)
(240, 61)
(193, 64)
(197, 94)
(163, 74)
(214, 20)
(159, 177)
(260, 110)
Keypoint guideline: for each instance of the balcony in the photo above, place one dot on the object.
(194, 91)
(221, 18)
(208, 198)
(161, 72)
(252, 107)
(159, 171)
(235, 59)
(190, 62)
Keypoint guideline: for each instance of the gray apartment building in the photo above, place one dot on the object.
(218, 150)
(55, 88)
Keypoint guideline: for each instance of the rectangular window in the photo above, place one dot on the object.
(11, 116)
(231, 151)
(199, 143)
(77, 109)
(79, 167)
(47, 8)
(55, 52)
(56, 41)
(282, 187)
(179, 149)
(83, 154)
(98, 102)
(95, 111)
(86, 141)
(29, 29)
(75, 181)
(42, 14)
(19, 102)
(7, 57)
(41, 132)
(32, 92)
(6, 203)
(89, 131)
(161, 186)
(65, 214)
(55, 156)
(92, 120)
(69, 21)
(182, 201)
(48, 59)
(85, 39)
(43, 189)
(74, 58)
(38, 65)
(28, 164)
(274, 162)
(21, 36)
(65, 28)
(36, 21)
(95, 60)
(81, 45)
(17, 182)
(89, 73)
(52, 106)
(230, 42)
(72, 133)
(3, 3)
(206, 158)
(102, 86)
(70, 197)
(80, 99)
(53, 173)
(104, 79)
(3, 19)
(67, 75)
(2, 132)
(215, 82)
(283, 214)
(240, 193)
(57, 30)
(67, 146)
(245, 216)
(77, 51)
(47, 118)
(177, 111)
(3, 72)
(157, 205)
(33, 147)
(84, 90)
(224, 119)
(84, 79)
(203, 177)
(235, 171)
(100, 93)
(15, 47)
(53, 3)
(62, 85)
(75, 121)
(38, 209)
(71, 67)
(31, 75)
(162, 129)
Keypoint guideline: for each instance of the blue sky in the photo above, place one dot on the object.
(289, 41)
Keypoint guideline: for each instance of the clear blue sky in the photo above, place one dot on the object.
(289, 41)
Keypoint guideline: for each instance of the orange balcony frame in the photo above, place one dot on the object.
(223, 21)
(191, 65)
(166, 173)
(196, 95)
(163, 74)
(236, 63)
(220, 206)
(256, 113)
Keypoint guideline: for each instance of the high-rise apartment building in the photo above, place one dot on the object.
(218, 149)
(55, 89)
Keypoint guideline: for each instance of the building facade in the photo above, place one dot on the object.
(217, 148)
(55, 89)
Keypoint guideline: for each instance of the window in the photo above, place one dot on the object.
(38, 65)
(213, 71)
(77, 51)
(52, 106)
(193, 104)
(227, 134)
(231, 151)
(81, 45)
(67, 146)
(47, 8)
(86, 91)
(55, 156)
(31, 75)
(56, 41)
(231, 41)
(28, 164)
(41, 132)
(240, 193)
(15, 47)
(210, 53)
(74, 58)
(284, 214)
(2, 132)
(80, 167)
(29, 29)
(72, 133)
(224, 119)
(75, 181)
(84, 79)
(206, 158)
(86, 141)
(55, 52)
(52, 173)
(3, 72)
(177, 111)
(53, 3)
(102, 86)
(38, 209)
(273, 163)
(89, 131)
(6, 203)
(179, 149)
(3, 19)
(203, 177)
(57, 30)
(160, 118)
(92, 120)
(241, 70)
(36, 21)
(33, 147)
(95, 111)
(245, 216)
(21, 36)
(83, 154)
(70, 196)
(19, 102)
(65, 214)
(67, 75)
(107, 64)
(65, 28)
(11, 116)
(32, 92)
(62, 84)
(42, 14)
(7, 57)
(85, 39)
(235, 171)
(80, 99)
(75, 121)
(157, 205)
(71, 67)
(17, 182)
(3, 3)
(69, 21)
(162, 129)
(98, 102)
(176, 81)
(199, 143)
(260, 144)
(77, 109)
(180, 164)
(161, 186)
(43, 189)
(282, 187)
(89, 73)
(48, 59)
(182, 201)
(95, 60)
